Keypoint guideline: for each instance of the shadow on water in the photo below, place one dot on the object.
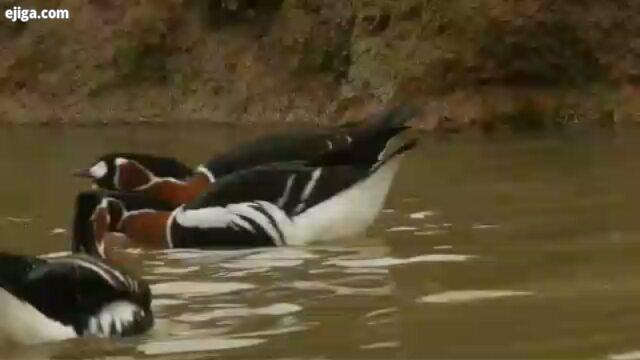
(522, 247)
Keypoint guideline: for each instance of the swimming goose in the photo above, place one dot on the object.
(53, 299)
(169, 180)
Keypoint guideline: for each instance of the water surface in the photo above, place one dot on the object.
(507, 247)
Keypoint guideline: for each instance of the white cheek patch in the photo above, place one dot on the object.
(98, 170)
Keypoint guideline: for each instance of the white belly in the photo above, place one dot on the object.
(21, 323)
(347, 214)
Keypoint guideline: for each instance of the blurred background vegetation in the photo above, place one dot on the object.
(517, 64)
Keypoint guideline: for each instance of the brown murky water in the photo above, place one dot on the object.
(501, 248)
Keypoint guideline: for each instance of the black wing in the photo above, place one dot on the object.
(293, 146)
(373, 133)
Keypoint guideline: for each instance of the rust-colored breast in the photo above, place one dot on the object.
(177, 193)
(131, 176)
(147, 230)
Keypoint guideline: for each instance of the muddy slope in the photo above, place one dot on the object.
(523, 64)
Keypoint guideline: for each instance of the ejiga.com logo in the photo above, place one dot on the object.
(17, 13)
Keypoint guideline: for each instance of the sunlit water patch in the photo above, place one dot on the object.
(463, 296)
(198, 288)
(273, 309)
(195, 345)
(631, 355)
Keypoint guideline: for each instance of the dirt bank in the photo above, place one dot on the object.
(523, 65)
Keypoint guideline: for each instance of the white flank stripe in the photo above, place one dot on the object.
(308, 189)
(168, 226)
(247, 210)
(311, 184)
(212, 217)
(232, 216)
(238, 221)
(282, 220)
(207, 173)
(285, 195)
(329, 144)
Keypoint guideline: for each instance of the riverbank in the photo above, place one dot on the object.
(531, 66)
